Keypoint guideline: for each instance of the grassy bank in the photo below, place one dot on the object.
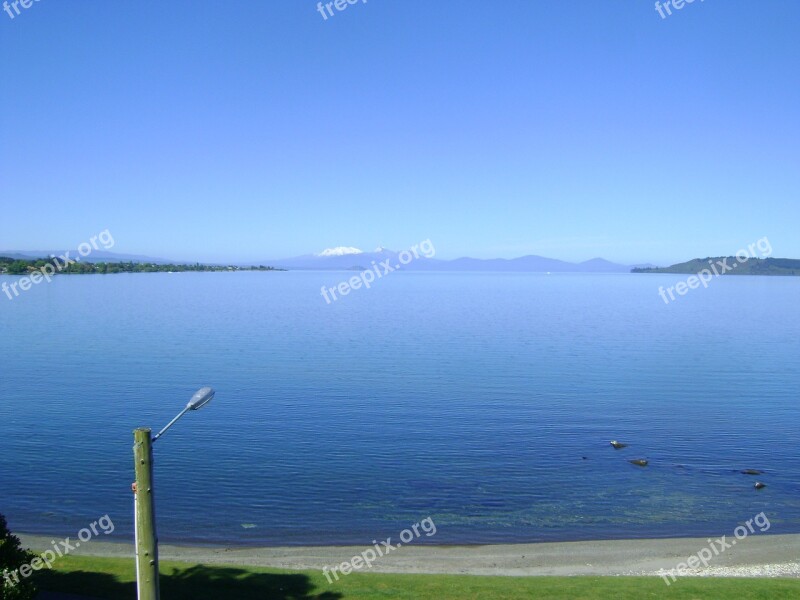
(113, 578)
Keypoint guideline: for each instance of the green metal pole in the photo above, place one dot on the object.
(147, 583)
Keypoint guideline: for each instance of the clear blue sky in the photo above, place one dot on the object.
(253, 130)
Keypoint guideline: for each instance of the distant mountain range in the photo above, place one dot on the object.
(348, 258)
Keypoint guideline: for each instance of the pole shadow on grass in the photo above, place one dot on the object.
(196, 583)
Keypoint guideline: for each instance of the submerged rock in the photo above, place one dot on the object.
(752, 472)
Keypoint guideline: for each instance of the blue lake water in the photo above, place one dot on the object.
(471, 398)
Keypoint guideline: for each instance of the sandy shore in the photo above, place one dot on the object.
(755, 556)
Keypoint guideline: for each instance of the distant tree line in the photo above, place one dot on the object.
(11, 266)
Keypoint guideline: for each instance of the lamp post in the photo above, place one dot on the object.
(147, 585)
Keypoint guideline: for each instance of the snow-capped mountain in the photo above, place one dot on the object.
(348, 258)
(340, 251)
(339, 258)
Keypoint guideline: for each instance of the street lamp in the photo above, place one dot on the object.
(201, 397)
(147, 584)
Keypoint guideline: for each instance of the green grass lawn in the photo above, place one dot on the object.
(113, 578)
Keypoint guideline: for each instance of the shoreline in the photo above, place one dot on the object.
(756, 556)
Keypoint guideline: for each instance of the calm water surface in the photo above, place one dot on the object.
(485, 401)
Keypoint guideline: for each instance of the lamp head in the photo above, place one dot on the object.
(201, 397)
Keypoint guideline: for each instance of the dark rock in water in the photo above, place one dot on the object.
(752, 472)
(618, 445)
(639, 462)
(759, 485)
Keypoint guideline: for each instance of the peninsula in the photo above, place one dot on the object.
(730, 265)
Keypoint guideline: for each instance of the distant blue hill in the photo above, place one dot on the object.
(365, 260)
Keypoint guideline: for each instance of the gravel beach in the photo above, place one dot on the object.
(755, 556)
